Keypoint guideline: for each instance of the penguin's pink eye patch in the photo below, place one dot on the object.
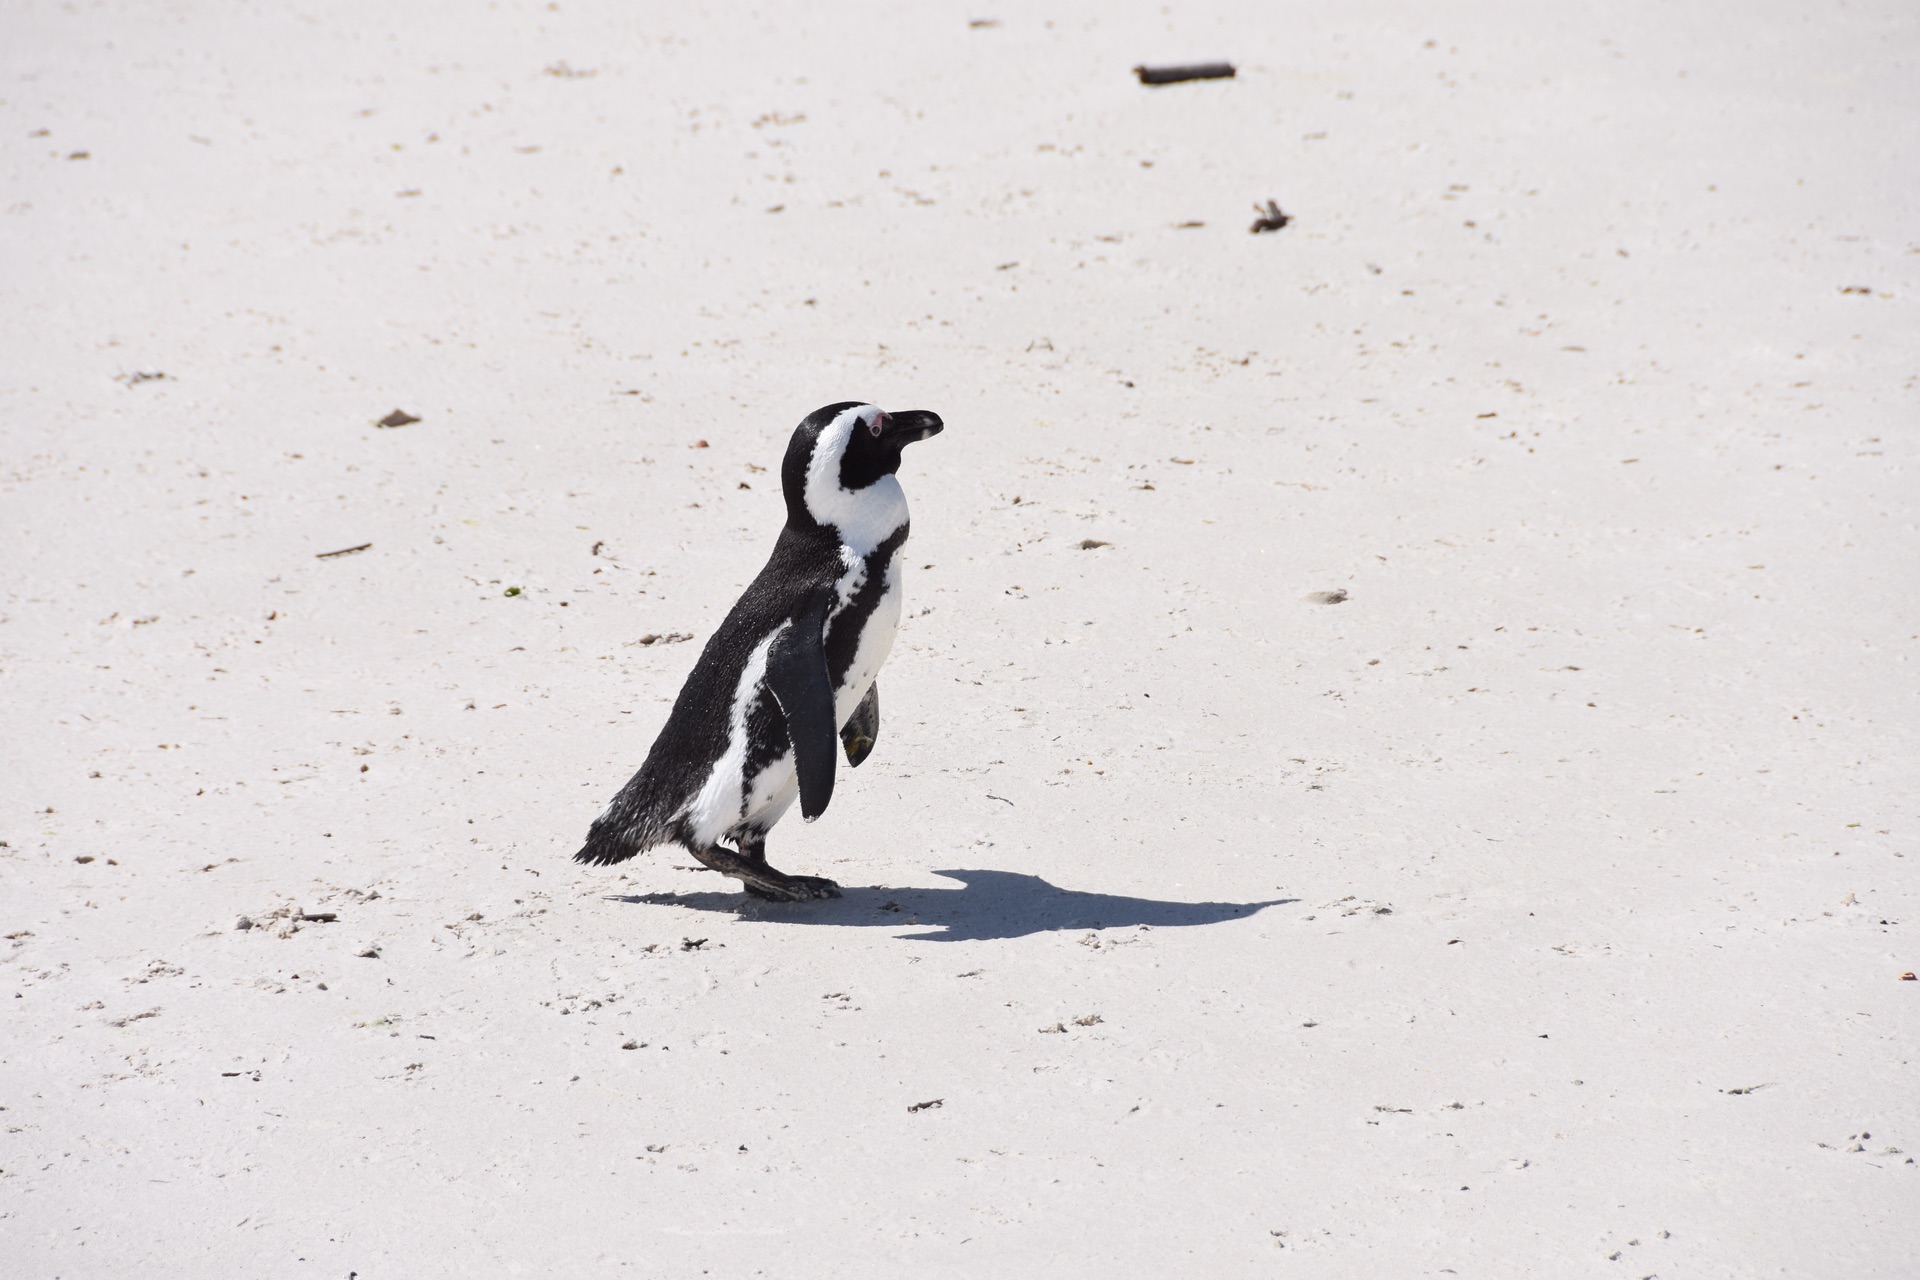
(877, 425)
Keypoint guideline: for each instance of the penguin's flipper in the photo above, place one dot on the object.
(797, 675)
(862, 727)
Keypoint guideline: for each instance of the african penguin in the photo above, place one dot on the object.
(793, 664)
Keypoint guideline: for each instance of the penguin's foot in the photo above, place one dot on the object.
(762, 881)
(796, 889)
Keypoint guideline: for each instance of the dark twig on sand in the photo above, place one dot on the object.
(1174, 75)
(344, 551)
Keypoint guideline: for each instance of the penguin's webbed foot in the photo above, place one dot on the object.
(761, 880)
(795, 889)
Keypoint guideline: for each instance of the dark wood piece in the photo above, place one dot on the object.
(1174, 75)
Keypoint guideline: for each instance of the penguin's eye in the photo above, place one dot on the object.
(877, 425)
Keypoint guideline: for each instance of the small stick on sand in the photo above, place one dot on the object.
(344, 551)
(1174, 75)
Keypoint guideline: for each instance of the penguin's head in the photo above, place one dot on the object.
(841, 451)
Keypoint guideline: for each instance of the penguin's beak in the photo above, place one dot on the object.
(911, 425)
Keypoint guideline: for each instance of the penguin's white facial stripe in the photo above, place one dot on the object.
(864, 517)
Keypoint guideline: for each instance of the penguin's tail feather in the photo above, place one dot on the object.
(619, 834)
(605, 847)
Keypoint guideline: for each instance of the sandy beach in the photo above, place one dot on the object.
(1401, 756)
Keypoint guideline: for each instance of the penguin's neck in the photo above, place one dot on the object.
(861, 518)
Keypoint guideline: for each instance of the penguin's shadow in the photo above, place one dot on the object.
(988, 904)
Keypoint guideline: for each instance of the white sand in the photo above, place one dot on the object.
(1555, 373)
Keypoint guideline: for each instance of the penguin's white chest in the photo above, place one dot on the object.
(866, 521)
(877, 631)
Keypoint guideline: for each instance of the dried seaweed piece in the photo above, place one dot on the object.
(1270, 219)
